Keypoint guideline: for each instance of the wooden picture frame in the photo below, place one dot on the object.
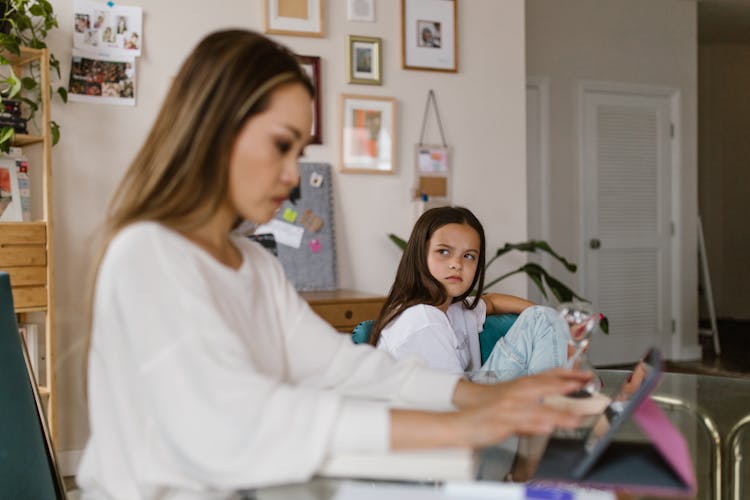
(429, 35)
(311, 65)
(368, 134)
(364, 62)
(293, 17)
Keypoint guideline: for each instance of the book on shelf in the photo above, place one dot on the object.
(10, 192)
(30, 336)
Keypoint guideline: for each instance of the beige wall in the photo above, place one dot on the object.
(483, 115)
(724, 176)
(622, 41)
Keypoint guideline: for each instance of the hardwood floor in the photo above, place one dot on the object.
(734, 360)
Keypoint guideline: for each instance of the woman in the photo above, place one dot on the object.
(207, 372)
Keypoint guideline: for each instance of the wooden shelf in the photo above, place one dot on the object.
(22, 140)
(26, 250)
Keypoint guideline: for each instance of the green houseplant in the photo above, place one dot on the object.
(26, 23)
(538, 275)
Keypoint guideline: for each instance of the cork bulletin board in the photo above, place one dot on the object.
(305, 233)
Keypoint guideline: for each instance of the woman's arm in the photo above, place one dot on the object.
(489, 413)
(499, 303)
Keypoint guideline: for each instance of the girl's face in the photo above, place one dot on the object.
(263, 161)
(452, 256)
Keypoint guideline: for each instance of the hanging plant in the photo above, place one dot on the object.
(25, 23)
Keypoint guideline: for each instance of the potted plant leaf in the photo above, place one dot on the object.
(25, 23)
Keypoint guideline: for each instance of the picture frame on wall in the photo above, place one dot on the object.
(293, 17)
(311, 65)
(368, 134)
(361, 10)
(429, 35)
(363, 60)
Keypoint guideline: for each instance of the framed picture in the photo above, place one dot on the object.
(361, 10)
(429, 36)
(363, 60)
(368, 134)
(311, 65)
(293, 17)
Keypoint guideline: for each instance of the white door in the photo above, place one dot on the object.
(627, 222)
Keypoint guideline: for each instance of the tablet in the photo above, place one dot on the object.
(628, 398)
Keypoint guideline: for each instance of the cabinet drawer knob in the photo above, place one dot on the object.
(348, 314)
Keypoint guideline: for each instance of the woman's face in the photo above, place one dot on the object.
(263, 161)
(452, 257)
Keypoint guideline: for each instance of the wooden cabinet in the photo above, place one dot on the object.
(26, 247)
(344, 309)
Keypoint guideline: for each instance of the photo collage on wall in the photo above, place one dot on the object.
(107, 38)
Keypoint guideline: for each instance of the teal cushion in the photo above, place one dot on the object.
(362, 332)
(495, 327)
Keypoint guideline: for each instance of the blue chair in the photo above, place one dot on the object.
(495, 327)
(28, 468)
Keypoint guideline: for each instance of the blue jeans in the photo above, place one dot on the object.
(537, 341)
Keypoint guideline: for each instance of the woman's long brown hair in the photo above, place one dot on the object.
(180, 175)
(413, 283)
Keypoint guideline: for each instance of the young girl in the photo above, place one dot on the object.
(207, 372)
(431, 314)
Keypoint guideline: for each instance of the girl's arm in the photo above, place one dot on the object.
(489, 414)
(499, 303)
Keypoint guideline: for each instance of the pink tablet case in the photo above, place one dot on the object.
(667, 440)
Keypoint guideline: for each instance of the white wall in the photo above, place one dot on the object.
(483, 114)
(624, 41)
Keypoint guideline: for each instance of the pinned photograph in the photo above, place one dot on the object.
(115, 31)
(102, 81)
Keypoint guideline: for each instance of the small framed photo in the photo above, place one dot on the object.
(311, 65)
(293, 17)
(368, 134)
(361, 10)
(363, 60)
(429, 36)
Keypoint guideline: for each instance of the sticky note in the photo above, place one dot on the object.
(311, 221)
(290, 215)
(315, 246)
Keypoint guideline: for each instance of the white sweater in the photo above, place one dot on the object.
(204, 379)
(446, 341)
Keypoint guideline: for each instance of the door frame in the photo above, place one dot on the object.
(542, 85)
(675, 282)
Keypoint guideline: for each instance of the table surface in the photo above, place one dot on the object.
(725, 400)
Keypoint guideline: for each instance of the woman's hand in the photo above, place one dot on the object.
(491, 413)
(532, 388)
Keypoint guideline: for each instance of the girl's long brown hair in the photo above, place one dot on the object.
(413, 283)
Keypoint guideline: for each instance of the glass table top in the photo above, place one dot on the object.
(686, 399)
